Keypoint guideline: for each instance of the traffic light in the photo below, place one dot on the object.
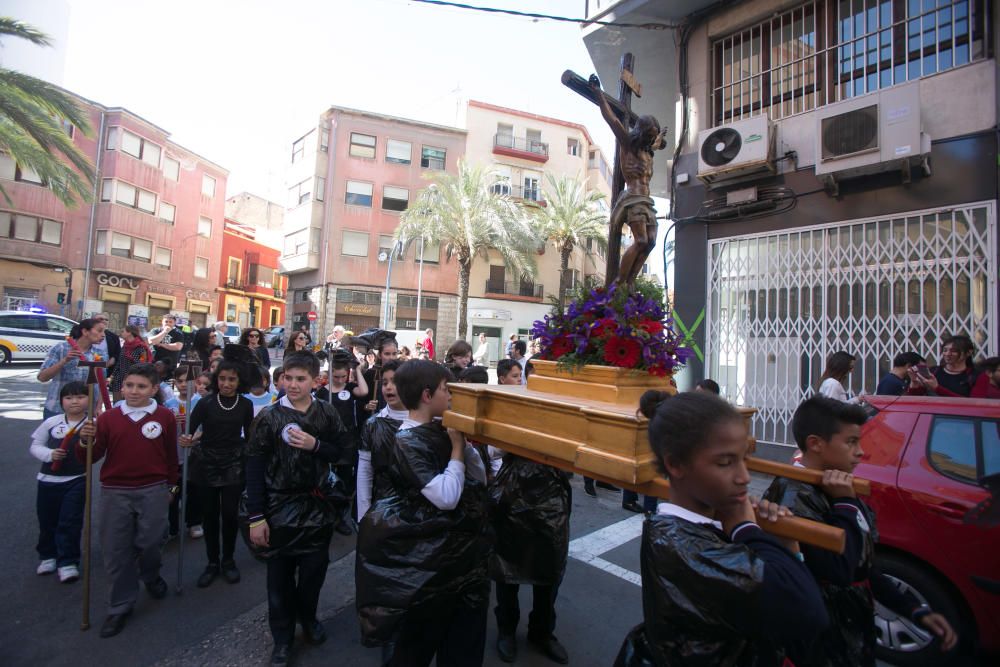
(61, 298)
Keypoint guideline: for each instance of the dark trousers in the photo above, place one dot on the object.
(290, 599)
(648, 502)
(457, 637)
(192, 513)
(220, 502)
(541, 620)
(60, 520)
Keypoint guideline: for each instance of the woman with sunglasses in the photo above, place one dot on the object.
(297, 342)
(254, 339)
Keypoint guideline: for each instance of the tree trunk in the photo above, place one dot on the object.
(564, 252)
(464, 272)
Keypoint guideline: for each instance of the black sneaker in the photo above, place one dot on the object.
(230, 572)
(158, 589)
(314, 633)
(208, 576)
(507, 647)
(114, 624)
(280, 654)
(588, 488)
(551, 648)
(633, 507)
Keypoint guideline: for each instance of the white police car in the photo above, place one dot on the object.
(26, 336)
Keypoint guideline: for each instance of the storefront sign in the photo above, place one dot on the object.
(357, 309)
(487, 314)
(117, 281)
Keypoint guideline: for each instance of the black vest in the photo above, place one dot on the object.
(70, 466)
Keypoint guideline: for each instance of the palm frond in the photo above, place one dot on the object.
(14, 28)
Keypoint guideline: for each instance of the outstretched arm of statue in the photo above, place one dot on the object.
(621, 134)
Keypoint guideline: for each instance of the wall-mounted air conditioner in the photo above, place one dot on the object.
(871, 134)
(739, 151)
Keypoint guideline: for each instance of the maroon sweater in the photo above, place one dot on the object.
(139, 454)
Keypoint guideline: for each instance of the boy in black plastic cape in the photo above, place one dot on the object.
(531, 507)
(378, 436)
(292, 500)
(717, 591)
(828, 432)
(422, 550)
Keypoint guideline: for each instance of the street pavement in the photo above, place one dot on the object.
(599, 601)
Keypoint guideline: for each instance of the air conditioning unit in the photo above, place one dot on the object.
(740, 151)
(871, 134)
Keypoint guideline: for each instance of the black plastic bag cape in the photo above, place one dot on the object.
(304, 496)
(413, 558)
(697, 588)
(850, 639)
(530, 515)
(378, 437)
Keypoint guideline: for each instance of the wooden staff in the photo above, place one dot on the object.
(193, 371)
(92, 379)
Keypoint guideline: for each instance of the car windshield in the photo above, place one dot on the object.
(232, 330)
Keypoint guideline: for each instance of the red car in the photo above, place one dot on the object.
(934, 464)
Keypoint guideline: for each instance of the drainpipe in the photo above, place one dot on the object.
(93, 214)
(331, 150)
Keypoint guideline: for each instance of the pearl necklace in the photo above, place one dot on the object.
(218, 398)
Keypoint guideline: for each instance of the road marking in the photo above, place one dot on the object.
(589, 548)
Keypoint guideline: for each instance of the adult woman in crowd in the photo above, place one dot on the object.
(136, 350)
(62, 365)
(839, 365)
(204, 340)
(459, 354)
(955, 377)
(297, 342)
(254, 339)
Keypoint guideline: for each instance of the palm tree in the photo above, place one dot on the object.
(460, 212)
(32, 112)
(570, 218)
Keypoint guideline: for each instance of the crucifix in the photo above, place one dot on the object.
(636, 139)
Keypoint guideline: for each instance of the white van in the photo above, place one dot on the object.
(30, 336)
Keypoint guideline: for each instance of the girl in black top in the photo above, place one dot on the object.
(717, 591)
(224, 416)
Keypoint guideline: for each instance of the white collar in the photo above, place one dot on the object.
(670, 509)
(137, 414)
(286, 402)
(797, 464)
(409, 423)
(401, 415)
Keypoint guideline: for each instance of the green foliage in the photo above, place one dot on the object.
(32, 112)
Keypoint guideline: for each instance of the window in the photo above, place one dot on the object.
(299, 193)
(573, 147)
(205, 227)
(824, 51)
(362, 145)
(359, 194)
(265, 276)
(201, 267)
(395, 199)
(168, 212)
(324, 140)
(29, 228)
(386, 244)
(130, 144)
(146, 201)
(320, 188)
(358, 296)
(57, 325)
(398, 151)
(301, 242)
(233, 274)
(432, 252)
(134, 145)
(432, 158)
(531, 190)
(171, 169)
(207, 185)
(355, 244)
(298, 149)
(27, 175)
(505, 130)
(966, 449)
(126, 194)
(410, 301)
(102, 242)
(163, 257)
(123, 245)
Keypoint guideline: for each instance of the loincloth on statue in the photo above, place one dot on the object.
(631, 210)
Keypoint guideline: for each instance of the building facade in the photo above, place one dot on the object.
(349, 179)
(523, 150)
(251, 289)
(144, 246)
(836, 188)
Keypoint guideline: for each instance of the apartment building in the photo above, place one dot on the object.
(350, 177)
(251, 289)
(522, 149)
(142, 248)
(837, 187)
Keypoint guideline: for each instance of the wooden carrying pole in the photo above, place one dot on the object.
(92, 379)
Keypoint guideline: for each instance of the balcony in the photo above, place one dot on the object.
(235, 283)
(520, 289)
(532, 194)
(521, 147)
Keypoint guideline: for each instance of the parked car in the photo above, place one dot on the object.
(274, 337)
(233, 332)
(26, 336)
(934, 464)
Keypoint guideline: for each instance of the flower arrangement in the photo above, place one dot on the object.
(612, 327)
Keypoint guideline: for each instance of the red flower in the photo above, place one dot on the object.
(622, 352)
(651, 327)
(605, 327)
(560, 346)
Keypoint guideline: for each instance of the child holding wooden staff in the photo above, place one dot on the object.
(828, 432)
(716, 589)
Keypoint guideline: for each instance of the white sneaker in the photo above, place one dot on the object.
(196, 531)
(68, 574)
(47, 566)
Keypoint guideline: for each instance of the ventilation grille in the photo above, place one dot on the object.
(850, 133)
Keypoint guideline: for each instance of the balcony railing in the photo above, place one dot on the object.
(530, 290)
(235, 283)
(531, 149)
(519, 192)
(279, 293)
